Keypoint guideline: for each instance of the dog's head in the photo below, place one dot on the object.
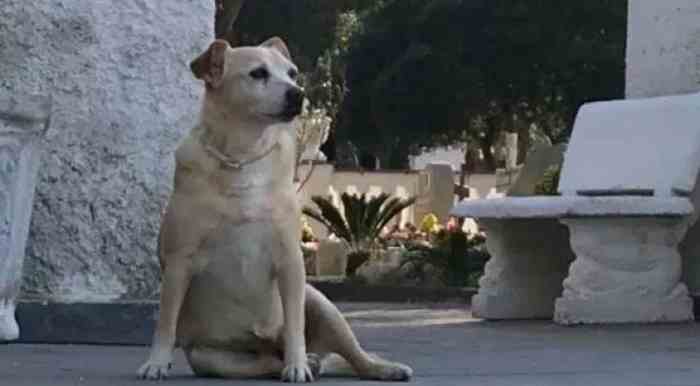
(257, 83)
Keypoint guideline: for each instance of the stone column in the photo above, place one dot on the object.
(23, 122)
(529, 261)
(626, 270)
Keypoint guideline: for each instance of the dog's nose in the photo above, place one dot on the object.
(295, 98)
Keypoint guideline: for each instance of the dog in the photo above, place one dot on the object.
(233, 291)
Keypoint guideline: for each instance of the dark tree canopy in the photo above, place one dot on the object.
(306, 25)
(422, 72)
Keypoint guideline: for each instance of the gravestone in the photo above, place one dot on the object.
(663, 58)
(122, 96)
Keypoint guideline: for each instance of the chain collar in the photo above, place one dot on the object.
(228, 162)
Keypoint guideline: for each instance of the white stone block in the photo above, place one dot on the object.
(332, 258)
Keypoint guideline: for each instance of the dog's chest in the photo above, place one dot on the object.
(242, 251)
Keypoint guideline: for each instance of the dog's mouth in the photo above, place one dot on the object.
(288, 114)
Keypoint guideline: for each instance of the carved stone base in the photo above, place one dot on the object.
(9, 330)
(23, 121)
(529, 261)
(627, 270)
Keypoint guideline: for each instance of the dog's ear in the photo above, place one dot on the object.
(209, 66)
(277, 44)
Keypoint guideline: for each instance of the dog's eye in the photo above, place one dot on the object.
(260, 73)
(293, 73)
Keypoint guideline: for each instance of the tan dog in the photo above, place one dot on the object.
(233, 292)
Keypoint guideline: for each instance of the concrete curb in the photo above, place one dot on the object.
(132, 323)
(351, 292)
(119, 323)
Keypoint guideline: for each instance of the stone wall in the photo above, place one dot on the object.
(123, 96)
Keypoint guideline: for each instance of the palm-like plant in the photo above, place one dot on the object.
(362, 224)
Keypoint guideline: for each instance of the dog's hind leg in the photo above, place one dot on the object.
(328, 332)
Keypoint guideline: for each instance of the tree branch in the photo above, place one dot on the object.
(308, 176)
(226, 14)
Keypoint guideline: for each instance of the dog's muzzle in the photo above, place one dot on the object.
(294, 102)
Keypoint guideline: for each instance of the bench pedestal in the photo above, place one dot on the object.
(626, 270)
(529, 261)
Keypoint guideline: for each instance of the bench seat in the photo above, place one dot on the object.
(558, 207)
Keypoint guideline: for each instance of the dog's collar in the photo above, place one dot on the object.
(228, 162)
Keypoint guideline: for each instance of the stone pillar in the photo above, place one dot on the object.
(529, 261)
(626, 270)
(511, 144)
(23, 122)
(123, 96)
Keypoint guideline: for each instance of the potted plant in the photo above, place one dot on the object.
(360, 227)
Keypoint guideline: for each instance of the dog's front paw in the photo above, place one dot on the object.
(155, 370)
(300, 371)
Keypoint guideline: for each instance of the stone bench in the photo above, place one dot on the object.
(605, 250)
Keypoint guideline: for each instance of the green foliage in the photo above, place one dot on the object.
(550, 182)
(427, 72)
(458, 258)
(318, 33)
(306, 25)
(362, 224)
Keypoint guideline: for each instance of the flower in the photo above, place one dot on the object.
(307, 233)
(429, 224)
(452, 224)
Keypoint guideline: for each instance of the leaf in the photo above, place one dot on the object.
(333, 218)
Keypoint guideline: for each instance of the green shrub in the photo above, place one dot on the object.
(458, 257)
(365, 217)
(550, 182)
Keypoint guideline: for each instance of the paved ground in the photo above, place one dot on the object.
(443, 344)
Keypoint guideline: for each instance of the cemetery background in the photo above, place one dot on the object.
(123, 96)
(442, 342)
